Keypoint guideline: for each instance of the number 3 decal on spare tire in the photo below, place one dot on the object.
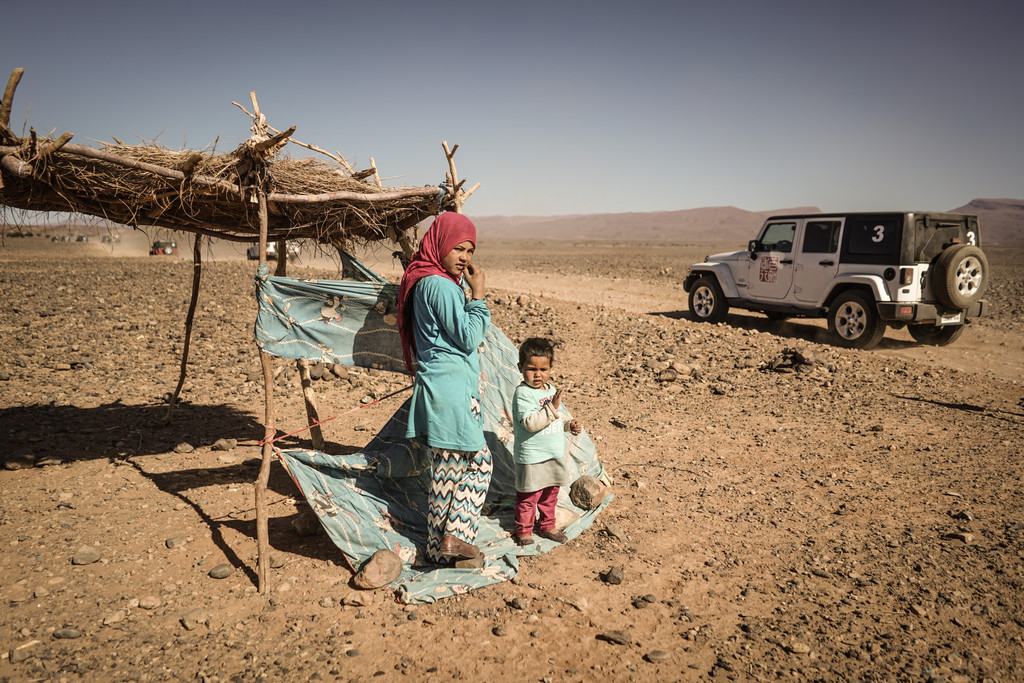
(960, 275)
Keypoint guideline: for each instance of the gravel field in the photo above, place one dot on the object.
(784, 509)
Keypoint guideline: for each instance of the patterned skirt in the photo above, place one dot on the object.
(459, 483)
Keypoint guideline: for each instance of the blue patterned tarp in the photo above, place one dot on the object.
(330, 321)
(377, 498)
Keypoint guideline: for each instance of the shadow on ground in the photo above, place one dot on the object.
(792, 328)
(307, 540)
(64, 434)
(126, 434)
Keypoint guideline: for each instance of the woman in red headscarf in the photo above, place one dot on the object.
(441, 329)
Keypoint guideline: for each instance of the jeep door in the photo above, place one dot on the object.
(770, 271)
(818, 259)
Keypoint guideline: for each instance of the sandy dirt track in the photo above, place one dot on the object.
(858, 517)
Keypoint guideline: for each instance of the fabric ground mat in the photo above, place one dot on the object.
(377, 498)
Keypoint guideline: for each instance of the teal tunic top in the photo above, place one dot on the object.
(444, 411)
(529, 447)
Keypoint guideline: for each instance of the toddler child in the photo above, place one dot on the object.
(539, 454)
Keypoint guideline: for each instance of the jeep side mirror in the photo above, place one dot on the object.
(752, 246)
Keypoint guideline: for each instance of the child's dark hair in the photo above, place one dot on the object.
(536, 346)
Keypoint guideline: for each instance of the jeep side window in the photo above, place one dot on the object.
(872, 236)
(778, 237)
(821, 237)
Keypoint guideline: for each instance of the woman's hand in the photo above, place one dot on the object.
(575, 427)
(475, 279)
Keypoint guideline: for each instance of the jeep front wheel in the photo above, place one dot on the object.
(961, 274)
(854, 323)
(935, 335)
(707, 302)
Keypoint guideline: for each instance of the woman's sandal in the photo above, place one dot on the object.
(454, 549)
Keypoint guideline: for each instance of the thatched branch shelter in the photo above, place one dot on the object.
(214, 194)
(251, 193)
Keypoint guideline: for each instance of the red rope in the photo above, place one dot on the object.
(317, 423)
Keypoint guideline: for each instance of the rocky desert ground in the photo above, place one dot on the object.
(784, 509)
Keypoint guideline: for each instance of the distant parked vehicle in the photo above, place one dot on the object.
(253, 252)
(82, 238)
(164, 249)
(110, 239)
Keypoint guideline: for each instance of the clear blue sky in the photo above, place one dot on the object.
(562, 107)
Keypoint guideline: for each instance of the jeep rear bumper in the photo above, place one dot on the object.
(911, 312)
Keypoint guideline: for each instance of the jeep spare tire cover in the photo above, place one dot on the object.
(960, 275)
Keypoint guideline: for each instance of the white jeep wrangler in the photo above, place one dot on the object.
(861, 271)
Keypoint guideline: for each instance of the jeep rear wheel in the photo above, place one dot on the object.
(854, 323)
(961, 275)
(707, 302)
(935, 335)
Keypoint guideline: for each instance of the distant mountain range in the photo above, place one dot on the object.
(1002, 222)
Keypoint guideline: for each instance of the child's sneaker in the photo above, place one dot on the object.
(524, 540)
(554, 535)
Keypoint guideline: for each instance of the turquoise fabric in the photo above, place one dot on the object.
(447, 329)
(547, 444)
(330, 321)
(376, 498)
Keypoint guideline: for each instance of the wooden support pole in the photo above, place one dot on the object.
(8, 100)
(269, 431)
(316, 434)
(281, 270)
(302, 365)
(197, 271)
(407, 241)
(459, 196)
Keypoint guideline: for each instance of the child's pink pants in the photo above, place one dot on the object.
(536, 504)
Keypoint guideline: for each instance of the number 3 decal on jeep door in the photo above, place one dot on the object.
(879, 233)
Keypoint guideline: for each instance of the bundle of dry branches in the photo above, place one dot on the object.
(213, 194)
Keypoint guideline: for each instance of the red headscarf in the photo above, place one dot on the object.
(446, 232)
